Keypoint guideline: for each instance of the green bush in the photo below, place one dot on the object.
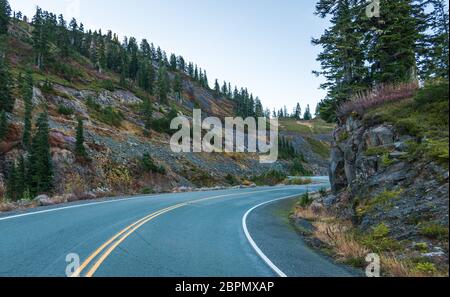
(305, 200)
(379, 241)
(377, 151)
(434, 231)
(65, 110)
(108, 85)
(148, 165)
(432, 92)
(426, 267)
(110, 116)
(271, 178)
(231, 180)
(163, 125)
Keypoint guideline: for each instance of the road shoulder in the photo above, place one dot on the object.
(272, 231)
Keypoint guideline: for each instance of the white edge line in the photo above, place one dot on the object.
(252, 242)
(110, 201)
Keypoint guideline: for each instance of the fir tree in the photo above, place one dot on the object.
(26, 90)
(11, 183)
(163, 84)
(5, 12)
(177, 85)
(80, 150)
(6, 99)
(3, 125)
(40, 162)
(307, 116)
(216, 89)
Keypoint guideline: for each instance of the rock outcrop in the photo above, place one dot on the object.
(374, 181)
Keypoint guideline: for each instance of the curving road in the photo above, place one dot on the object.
(183, 234)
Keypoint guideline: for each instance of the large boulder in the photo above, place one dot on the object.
(44, 200)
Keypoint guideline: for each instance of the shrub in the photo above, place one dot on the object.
(270, 178)
(384, 199)
(110, 116)
(65, 110)
(305, 200)
(163, 125)
(343, 136)
(297, 167)
(432, 92)
(381, 95)
(425, 267)
(149, 165)
(108, 85)
(377, 151)
(379, 241)
(231, 180)
(434, 231)
(386, 160)
(299, 181)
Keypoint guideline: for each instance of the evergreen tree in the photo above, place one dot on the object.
(434, 59)
(80, 150)
(6, 99)
(11, 183)
(216, 89)
(5, 12)
(40, 162)
(3, 125)
(298, 112)
(26, 90)
(163, 84)
(177, 85)
(307, 116)
(393, 42)
(173, 62)
(181, 64)
(41, 37)
(21, 178)
(343, 55)
(147, 112)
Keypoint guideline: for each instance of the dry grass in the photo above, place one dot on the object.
(341, 238)
(381, 95)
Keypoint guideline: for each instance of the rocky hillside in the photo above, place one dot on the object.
(115, 135)
(389, 172)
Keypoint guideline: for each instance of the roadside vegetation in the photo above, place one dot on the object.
(348, 245)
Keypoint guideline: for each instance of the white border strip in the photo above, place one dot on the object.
(252, 242)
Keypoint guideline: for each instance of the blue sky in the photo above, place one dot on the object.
(264, 45)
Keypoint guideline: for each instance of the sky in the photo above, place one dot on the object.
(264, 45)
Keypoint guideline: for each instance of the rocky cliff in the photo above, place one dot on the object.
(385, 171)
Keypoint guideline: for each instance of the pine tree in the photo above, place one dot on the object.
(393, 42)
(5, 12)
(147, 112)
(40, 161)
(343, 55)
(3, 125)
(173, 62)
(21, 178)
(298, 112)
(6, 99)
(177, 85)
(307, 116)
(41, 38)
(80, 150)
(26, 90)
(216, 89)
(434, 59)
(163, 84)
(11, 183)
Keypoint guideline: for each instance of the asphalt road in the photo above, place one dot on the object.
(183, 234)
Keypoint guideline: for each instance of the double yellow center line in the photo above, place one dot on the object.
(108, 247)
